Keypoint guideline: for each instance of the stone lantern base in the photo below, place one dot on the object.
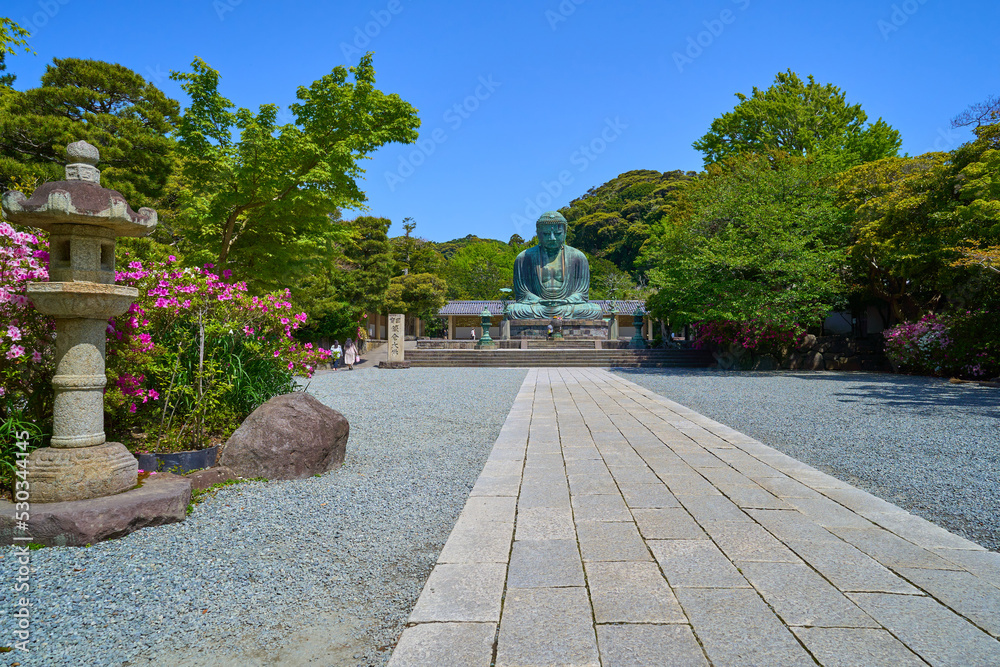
(160, 500)
(61, 474)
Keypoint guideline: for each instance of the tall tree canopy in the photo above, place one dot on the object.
(757, 239)
(612, 221)
(110, 106)
(249, 183)
(923, 226)
(480, 270)
(800, 118)
(413, 254)
(417, 295)
(368, 264)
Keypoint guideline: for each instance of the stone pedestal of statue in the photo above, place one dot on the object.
(571, 329)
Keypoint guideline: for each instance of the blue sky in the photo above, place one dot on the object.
(527, 104)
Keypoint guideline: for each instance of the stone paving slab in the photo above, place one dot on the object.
(612, 526)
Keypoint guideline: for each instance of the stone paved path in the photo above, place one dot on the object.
(611, 526)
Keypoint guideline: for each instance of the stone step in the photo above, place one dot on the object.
(562, 358)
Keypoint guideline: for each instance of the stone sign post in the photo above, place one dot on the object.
(396, 337)
(395, 344)
(83, 220)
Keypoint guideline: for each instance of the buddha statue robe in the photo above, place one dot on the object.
(551, 284)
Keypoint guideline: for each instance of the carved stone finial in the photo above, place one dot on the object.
(81, 151)
(81, 158)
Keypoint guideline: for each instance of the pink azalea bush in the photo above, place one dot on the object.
(757, 336)
(963, 344)
(196, 354)
(26, 336)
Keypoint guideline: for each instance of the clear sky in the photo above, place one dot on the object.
(514, 95)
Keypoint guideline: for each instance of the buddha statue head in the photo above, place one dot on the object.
(551, 231)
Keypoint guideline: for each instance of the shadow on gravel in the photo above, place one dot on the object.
(917, 395)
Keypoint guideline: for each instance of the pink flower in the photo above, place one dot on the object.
(15, 351)
(36, 356)
(171, 259)
(14, 332)
(131, 408)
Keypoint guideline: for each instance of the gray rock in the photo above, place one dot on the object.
(765, 363)
(293, 436)
(808, 342)
(203, 479)
(160, 500)
(812, 361)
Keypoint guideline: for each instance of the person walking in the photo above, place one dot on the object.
(338, 354)
(350, 354)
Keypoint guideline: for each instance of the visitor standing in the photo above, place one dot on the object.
(350, 354)
(473, 334)
(338, 354)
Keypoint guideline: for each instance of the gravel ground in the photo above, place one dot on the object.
(320, 571)
(923, 444)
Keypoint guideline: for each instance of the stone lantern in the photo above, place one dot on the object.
(638, 342)
(486, 341)
(83, 220)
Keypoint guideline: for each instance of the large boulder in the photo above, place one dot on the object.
(293, 436)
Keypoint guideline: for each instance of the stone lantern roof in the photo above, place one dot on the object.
(79, 199)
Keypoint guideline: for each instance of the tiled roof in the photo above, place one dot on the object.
(625, 307)
(471, 307)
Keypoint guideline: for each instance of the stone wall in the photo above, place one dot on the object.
(837, 353)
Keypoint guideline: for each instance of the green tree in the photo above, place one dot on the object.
(480, 270)
(924, 226)
(108, 105)
(612, 221)
(417, 295)
(257, 195)
(6, 79)
(12, 36)
(368, 264)
(607, 281)
(800, 118)
(414, 255)
(758, 239)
